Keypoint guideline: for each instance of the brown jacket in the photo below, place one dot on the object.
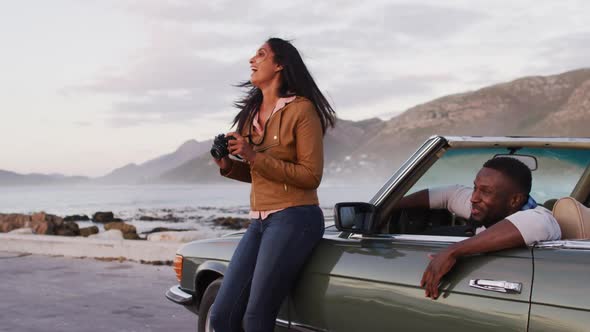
(288, 166)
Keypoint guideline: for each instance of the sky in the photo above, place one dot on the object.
(89, 86)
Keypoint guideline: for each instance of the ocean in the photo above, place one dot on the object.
(190, 206)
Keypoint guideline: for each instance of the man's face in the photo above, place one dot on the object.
(494, 197)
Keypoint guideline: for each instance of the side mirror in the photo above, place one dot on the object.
(355, 217)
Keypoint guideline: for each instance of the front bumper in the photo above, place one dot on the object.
(177, 295)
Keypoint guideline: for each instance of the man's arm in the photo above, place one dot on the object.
(419, 199)
(502, 235)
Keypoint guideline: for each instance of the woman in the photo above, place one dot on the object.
(279, 136)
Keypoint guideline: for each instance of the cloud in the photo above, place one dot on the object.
(168, 88)
(195, 11)
(201, 49)
(366, 91)
(562, 53)
(169, 108)
(83, 123)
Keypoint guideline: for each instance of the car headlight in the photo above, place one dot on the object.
(178, 266)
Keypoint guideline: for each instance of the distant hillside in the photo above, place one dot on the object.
(347, 136)
(152, 169)
(556, 105)
(8, 178)
(200, 169)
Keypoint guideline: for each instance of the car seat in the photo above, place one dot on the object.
(573, 218)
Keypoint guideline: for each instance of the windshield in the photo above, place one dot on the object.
(558, 170)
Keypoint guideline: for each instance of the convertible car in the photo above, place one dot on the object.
(365, 273)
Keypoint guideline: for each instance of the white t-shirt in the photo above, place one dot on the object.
(534, 225)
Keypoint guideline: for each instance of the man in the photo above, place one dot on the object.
(499, 203)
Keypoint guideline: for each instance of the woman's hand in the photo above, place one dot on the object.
(239, 146)
(223, 163)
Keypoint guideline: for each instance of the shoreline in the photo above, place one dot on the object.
(54, 245)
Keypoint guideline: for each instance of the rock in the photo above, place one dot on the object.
(39, 223)
(164, 229)
(9, 222)
(69, 228)
(26, 230)
(77, 217)
(123, 227)
(231, 222)
(168, 218)
(43, 223)
(177, 236)
(131, 236)
(129, 231)
(87, 231)
(113, 234)
(105, 217)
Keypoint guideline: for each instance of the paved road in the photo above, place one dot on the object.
(43, 293)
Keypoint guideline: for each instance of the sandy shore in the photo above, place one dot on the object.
(146, 251)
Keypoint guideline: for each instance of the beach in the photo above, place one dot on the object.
(49, 293)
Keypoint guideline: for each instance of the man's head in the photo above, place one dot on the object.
(501, 188)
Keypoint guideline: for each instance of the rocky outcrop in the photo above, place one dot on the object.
(231, 222)
(129, 232)
(167, 218)
(69, 228)
(87, 231)
(40, 223)
(164, 229)
(76, 217)
(9, 222)
(105, 217)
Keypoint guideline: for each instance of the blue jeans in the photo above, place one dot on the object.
(264, 268)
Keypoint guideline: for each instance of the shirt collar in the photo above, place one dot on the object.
(281, 103)
(530, 204)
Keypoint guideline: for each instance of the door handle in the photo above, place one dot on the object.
(496, 285)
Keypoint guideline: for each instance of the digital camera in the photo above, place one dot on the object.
(219, 148)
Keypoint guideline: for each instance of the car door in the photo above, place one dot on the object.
(561, 293)
(356, 283)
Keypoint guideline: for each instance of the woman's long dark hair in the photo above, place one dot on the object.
(295, 80)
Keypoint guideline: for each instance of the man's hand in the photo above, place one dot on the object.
(502, 235)
(239, 146)
(439, 266)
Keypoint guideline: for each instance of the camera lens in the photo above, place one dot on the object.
(216, 153)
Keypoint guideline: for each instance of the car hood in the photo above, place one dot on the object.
(217, 249)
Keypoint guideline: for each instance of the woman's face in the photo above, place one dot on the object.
(264, 69)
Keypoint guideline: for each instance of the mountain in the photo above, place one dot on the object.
(201, 169)
(347, 136)
(557, 105)
(8, 178)
(151, 169)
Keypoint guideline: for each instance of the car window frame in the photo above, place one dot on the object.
(435, 147)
